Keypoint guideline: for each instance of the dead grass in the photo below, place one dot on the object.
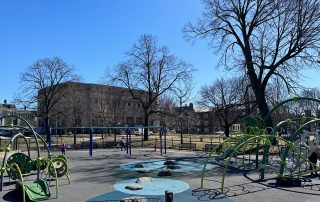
(172, 140)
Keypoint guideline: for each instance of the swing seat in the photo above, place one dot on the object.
(37, 190)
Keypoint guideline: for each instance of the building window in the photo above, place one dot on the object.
(206, 123)
(139, 120)
(130, 120)
(129, 104)
(206, 130)
(205, 116)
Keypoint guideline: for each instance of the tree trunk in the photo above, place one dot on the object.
(146, 124)
(263, 107)
(257, 87)
(227, 130)
(46, 124)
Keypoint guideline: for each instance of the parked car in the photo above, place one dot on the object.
(7, 132)
(40, 130)
(140, 131)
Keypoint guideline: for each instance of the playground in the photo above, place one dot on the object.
(93, 179)
(257, 165)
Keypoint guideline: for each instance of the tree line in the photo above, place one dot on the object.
(266, 43)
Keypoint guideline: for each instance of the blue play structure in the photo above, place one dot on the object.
(128, 134)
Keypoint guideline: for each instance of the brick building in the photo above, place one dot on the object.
(84, 104)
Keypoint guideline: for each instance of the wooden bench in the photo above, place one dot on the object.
(111, 145)
(86, 145)
(190, 146)
(209, 147)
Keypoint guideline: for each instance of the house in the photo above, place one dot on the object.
(28, 115)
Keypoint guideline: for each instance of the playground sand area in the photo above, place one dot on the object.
(94, 179)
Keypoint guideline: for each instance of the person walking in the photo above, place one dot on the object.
(63, 148)
(122, 144)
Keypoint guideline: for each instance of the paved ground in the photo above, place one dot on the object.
(92, 179)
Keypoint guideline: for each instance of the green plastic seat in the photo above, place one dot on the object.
(61, 156)
(61, 167)
(24, 162)
(37, 190)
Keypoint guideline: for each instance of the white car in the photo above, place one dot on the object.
(139, 131)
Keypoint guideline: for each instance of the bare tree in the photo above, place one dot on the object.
(166, 105)
(43, 82)
(309, 108)
(149, 72)
(265, 39)
(228, 99)
(183, 91)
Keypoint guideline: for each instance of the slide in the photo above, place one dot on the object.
(37, 190)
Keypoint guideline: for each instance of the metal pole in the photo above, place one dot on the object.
(165, 140)
(91, 143)
(50, 137)
(127, 140)
(181, 137)
(160, 140)
(75, 137)
(56, 132)
(172, 143)
(141, 141)
(115, 136)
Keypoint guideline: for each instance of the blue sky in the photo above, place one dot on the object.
(93, 35)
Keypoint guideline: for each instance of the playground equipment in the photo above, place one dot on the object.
(282, 156)
(20, 165)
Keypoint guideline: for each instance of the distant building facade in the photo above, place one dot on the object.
(185, 119)
(204, 122)
(28, 115)
(83, 104)
(207, 122)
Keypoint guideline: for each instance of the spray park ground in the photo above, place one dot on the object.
(93, 179)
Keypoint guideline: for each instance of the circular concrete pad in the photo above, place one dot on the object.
(184, 165)
(156, 187)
